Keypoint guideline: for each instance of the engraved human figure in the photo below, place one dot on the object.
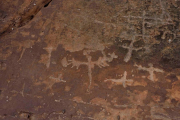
(101, 62)
(151, 70)
(130, 49)
(122, 80)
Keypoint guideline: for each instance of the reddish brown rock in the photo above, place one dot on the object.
(89, 60)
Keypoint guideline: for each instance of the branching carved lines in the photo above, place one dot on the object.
(122, 80)
(53, 81)
(151, 70)
(21, 92)
(144, 22)
(25, 45)
(58, 79)
(143, 17)
(101, 62)
(130, 49)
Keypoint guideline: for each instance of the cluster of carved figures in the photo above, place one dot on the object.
(147, 21)
(103, 62)
(164, 18)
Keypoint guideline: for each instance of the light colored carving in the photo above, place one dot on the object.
(21, 92)
(58, 79)
(151, 70)
(23, 45)
(165, 14)
(101, 62)
(49, 50)
(122, 80)
(157, 20)
(51, 81)
(130, 49)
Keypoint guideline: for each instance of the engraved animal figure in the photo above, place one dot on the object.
(130, 49)
(49, 83)
(58, 79)
(122, 80)
(53, 81)
(101, 62)
(151, 70)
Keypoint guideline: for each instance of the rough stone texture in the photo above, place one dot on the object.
(90, 60)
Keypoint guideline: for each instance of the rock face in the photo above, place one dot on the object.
(90, 59)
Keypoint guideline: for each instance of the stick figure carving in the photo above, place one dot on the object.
(122, 80)
(101, 62)
(130, 49)
(151, 70)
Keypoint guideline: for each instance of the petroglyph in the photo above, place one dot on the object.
(149, 21)
(151, 70)
(101, 62)
(122, 80)
(59, 78)
(132, 38)
(155, 19)
(51, 81)
(23, 45)
(21, 92)
(70, 56)
(49, 51)
(130, 49)
(143, 23)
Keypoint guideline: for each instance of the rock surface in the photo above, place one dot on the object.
(90, 60)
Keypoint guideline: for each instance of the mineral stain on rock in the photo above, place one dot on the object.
(89, 60)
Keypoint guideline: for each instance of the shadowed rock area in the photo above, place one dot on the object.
(90, 59)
